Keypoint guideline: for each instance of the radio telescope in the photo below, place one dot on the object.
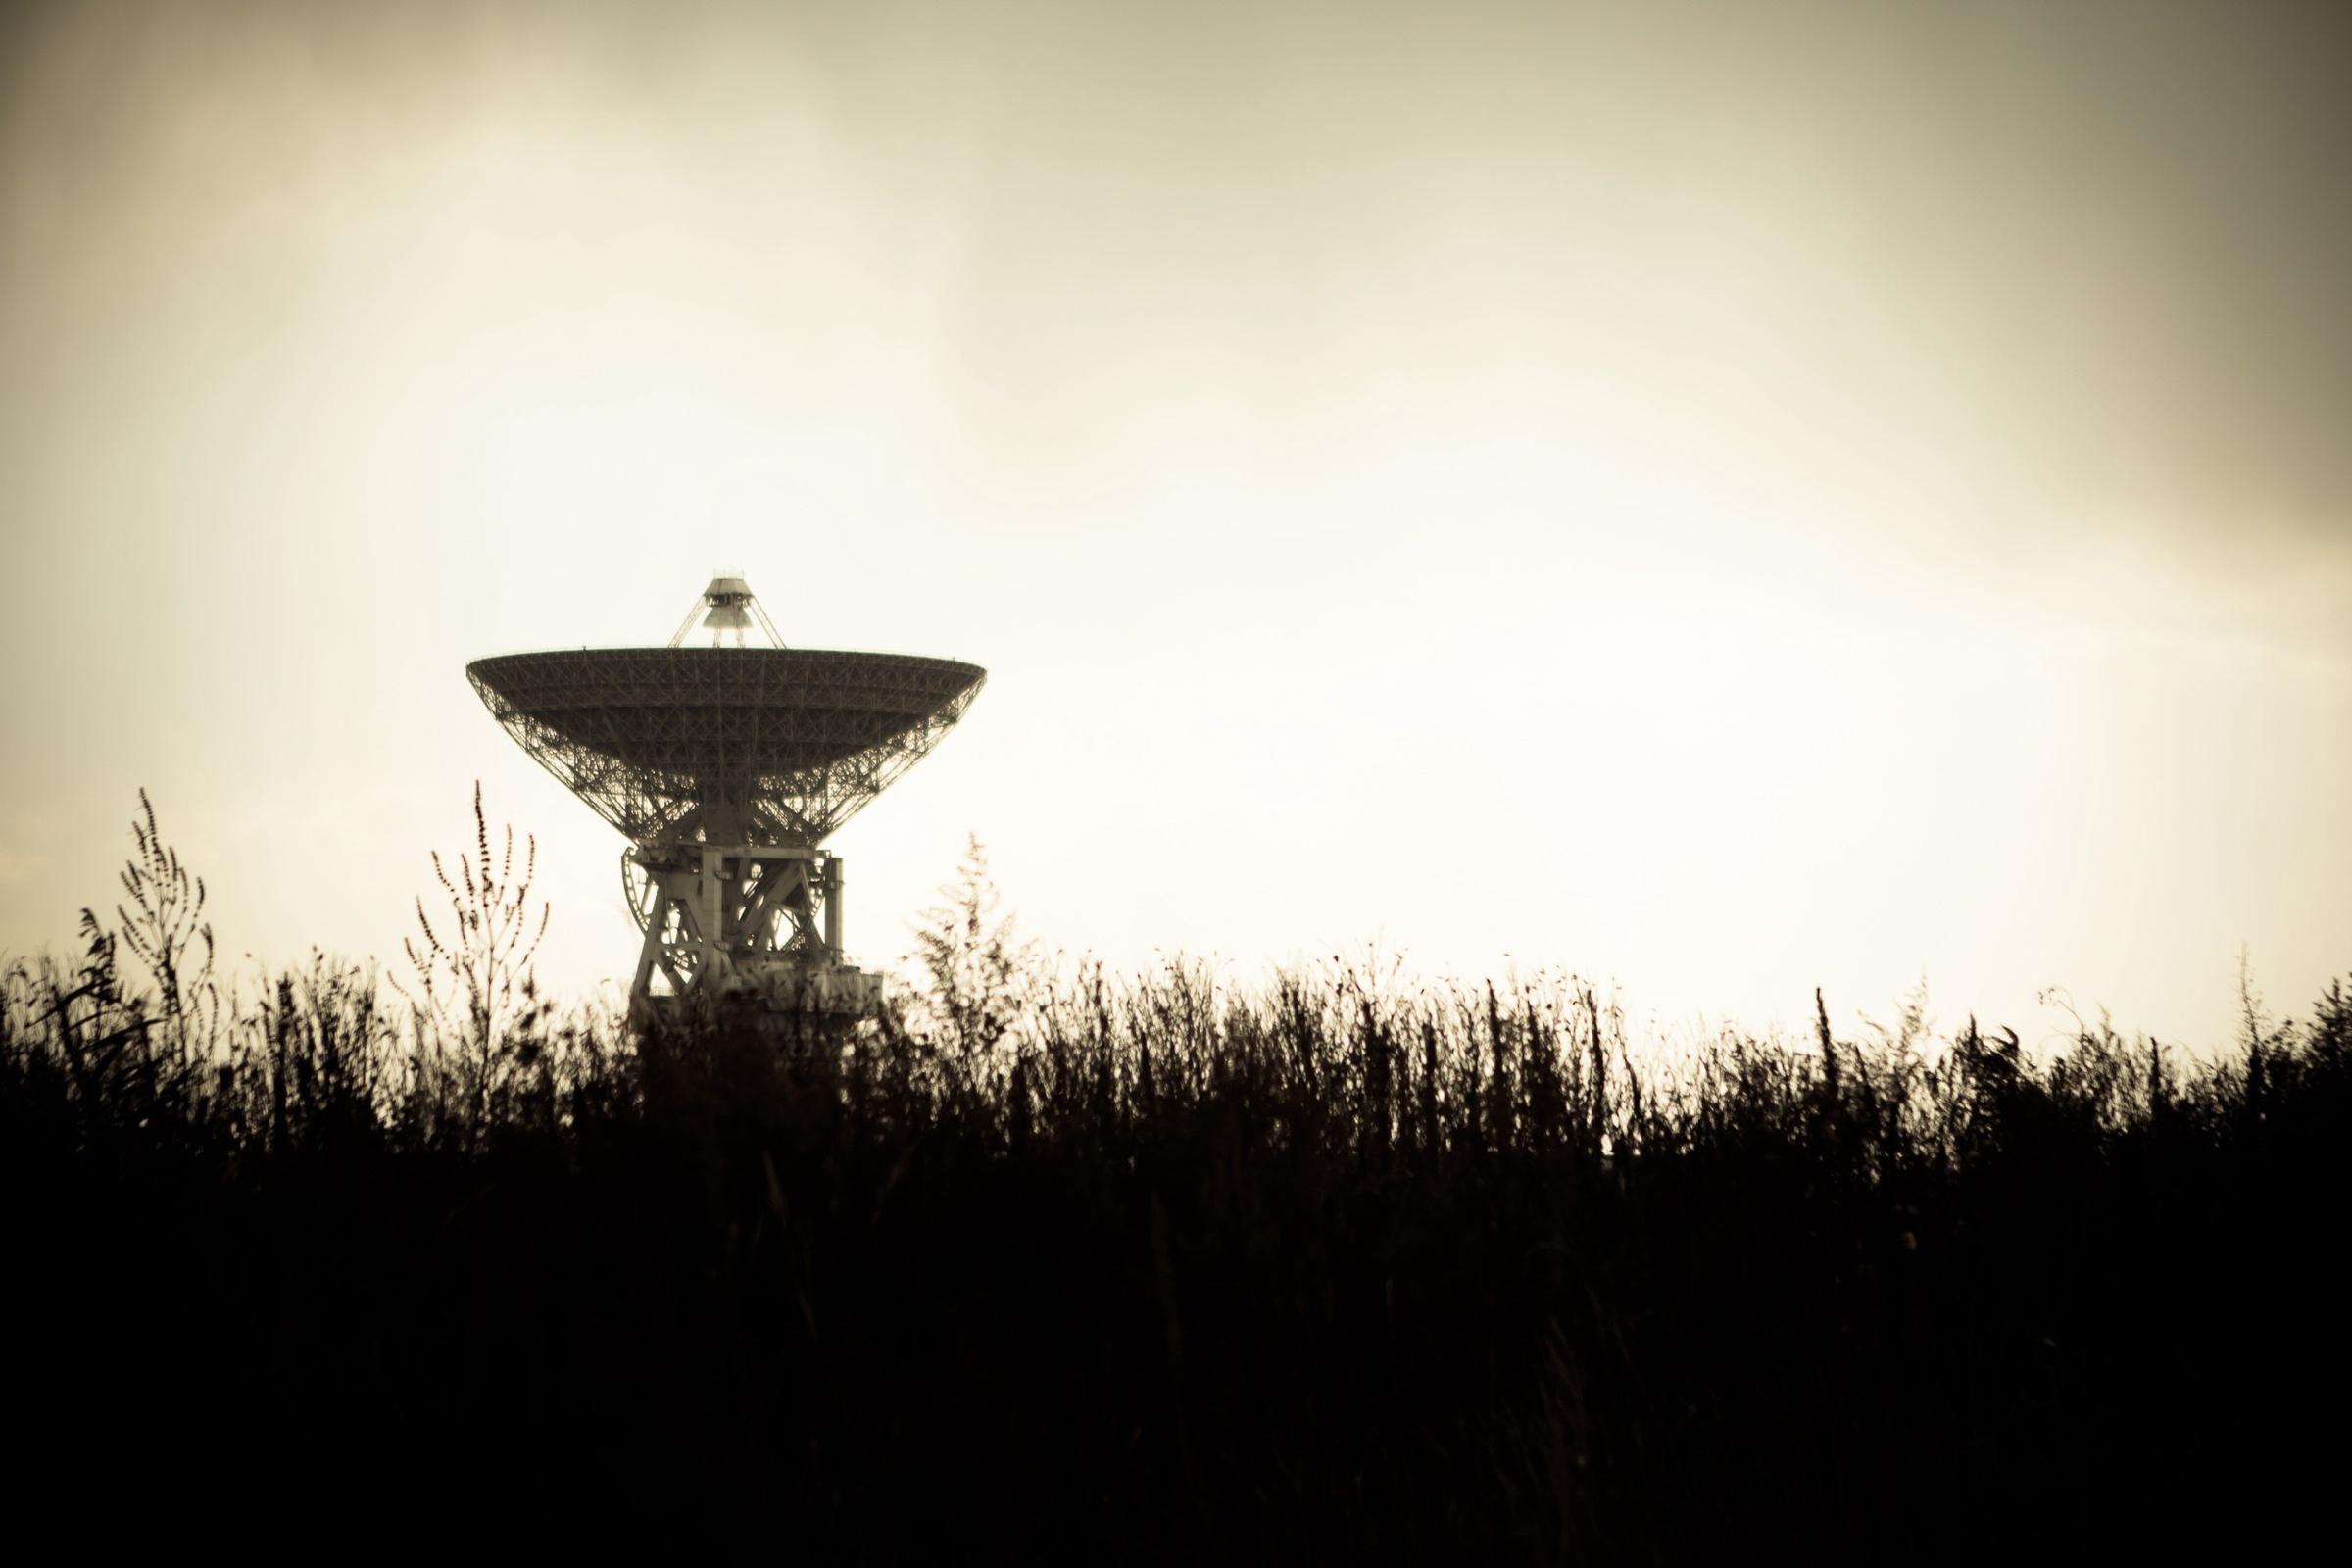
(726, 758)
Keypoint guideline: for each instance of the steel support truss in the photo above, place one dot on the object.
(755, 922)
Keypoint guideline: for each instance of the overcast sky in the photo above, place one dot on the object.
(1726, 498)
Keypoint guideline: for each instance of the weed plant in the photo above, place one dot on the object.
(1159, 1266)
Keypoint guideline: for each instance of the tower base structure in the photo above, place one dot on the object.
(748, 931)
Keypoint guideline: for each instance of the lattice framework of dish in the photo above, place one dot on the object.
(741, 743)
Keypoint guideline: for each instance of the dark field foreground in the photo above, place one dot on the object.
(1154, 1270)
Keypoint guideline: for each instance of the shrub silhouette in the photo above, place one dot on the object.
(1333, 1266)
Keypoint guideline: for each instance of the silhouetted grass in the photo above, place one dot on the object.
(1161, 1267)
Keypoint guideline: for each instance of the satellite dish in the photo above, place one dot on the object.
(726, 765)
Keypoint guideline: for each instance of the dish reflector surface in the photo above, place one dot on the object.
(746, 745)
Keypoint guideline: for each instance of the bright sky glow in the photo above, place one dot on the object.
(1729, 499)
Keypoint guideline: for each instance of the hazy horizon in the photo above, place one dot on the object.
(1727, 500)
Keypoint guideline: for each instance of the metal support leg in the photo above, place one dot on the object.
(833, 894)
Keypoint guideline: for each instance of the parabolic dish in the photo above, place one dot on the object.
(756, 744)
